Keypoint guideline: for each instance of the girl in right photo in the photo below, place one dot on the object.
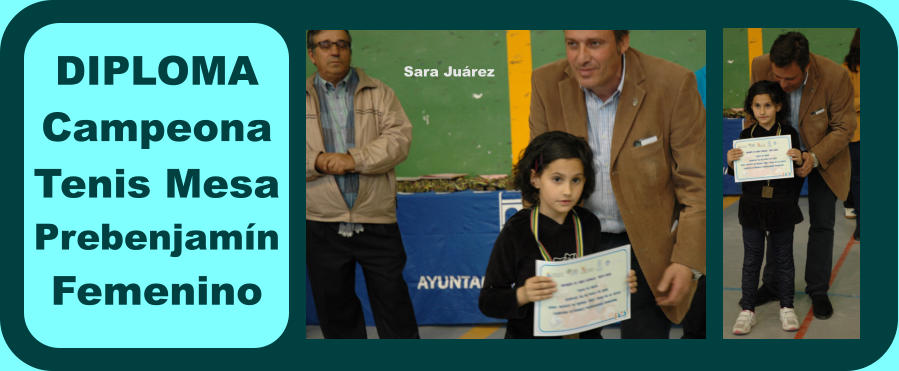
(768, 209)
(791, 260)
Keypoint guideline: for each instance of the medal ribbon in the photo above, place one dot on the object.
(578, 233)
(752, 135)
(752, 132)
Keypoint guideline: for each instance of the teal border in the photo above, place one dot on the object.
(15, 332)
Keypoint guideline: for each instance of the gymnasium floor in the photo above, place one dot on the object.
(844, 288)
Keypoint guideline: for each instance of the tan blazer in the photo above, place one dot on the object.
(655, 184)
(829, 91)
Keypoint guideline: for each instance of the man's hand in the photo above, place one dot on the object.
(335, 163)
(674, 285)
(341, 163)
(321, 163)
(806, 167)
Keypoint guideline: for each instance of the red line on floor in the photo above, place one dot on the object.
(833, 275)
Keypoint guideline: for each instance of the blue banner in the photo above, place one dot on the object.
(448, 239)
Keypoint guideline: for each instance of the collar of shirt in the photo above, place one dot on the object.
(589, 93)
(798, 91)
(340, 84)
(795, 102)
(795, 95)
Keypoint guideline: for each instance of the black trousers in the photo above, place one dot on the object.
(819, 252)
(331, 263)
(694, 321)
(780, 255)
(647, 319)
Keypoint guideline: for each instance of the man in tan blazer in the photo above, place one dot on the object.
(821, 96)
(645, 122)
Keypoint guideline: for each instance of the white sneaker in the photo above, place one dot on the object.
(849, 213)
(744, 323)
(788, 320)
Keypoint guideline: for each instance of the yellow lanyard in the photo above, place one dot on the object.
(578, 233)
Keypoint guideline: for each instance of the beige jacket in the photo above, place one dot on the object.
(654, 184)
(383, 135)
(826, 116)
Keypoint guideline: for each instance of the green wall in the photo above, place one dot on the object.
(462, 124)
(459, 124)
(686, 48)
(832, 43)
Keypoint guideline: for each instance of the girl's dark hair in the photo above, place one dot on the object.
(778, 96)
(543, 150)
(853, 59)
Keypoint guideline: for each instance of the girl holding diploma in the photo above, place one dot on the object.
(555, 174)
(768, 208)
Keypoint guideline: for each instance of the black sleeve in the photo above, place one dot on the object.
(498, 298)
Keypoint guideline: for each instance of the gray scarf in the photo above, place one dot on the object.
(339, 139)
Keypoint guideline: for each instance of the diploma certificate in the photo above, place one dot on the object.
(763, 158)
(591, 292)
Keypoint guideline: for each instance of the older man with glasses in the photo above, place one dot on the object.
(356, 133)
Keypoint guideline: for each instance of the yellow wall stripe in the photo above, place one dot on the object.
(480, 332)
(518, 57)
(754, 40)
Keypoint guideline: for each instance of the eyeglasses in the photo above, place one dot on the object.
(327, 44)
